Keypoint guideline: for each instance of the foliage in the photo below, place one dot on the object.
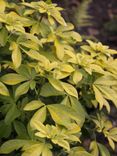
(77, 12)
(55, 89)
(82, 17)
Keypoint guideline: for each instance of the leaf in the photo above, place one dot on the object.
(106, 80)
(77, 76)
(69, 89)
(103, 150)
(108, 93)
(46, 150)
(57, 16)
(34, 149)
(12, 114)
(64, 144)
(59, 115)
(76, 105)
(76, 36)
(35, 104)
(98, 97)
(3, 35)
(111, 143)
(59, 111)
(3, 89)
(2, 6)
(39, 115)
(59, 49)
(20, 129)
(35, 55)
(66, 68)
(48, 90)
(79, 151)
(5, 130)
(94, 148)
(16, 54)
(12, 145)
(62, 28)
(37, 149)
(56, 84)
(12, 79)
(22, 89)
(113, 131)
(39, 126)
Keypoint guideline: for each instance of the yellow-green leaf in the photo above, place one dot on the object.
(3, 89)
(39, 115)
(64, 144)
(94, 148)
(77, 76)
(69, 89)
(12, 145)
(56, 84)
(35, 104)
(66, 68)
(22, 89)
(16, 54)
(59, 49)
(13, 79)
(2, 6)
(98, 97)
(39, 126)
(111, 143)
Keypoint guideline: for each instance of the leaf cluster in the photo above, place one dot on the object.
(53, 86)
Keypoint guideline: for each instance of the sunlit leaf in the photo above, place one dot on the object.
(3, 89)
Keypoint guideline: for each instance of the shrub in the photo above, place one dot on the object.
(55, 88)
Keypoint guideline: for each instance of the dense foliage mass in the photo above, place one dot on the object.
(55, 89)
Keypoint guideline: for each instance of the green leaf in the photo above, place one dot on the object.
(98, 97)
(12, 145)
(37, 149)
(59, 111)
(66, 68)
(46, 150)
(2, 6)
(113, 131)
(59, 115)
(5, 130)
(35, 104)
(62, 28)
(12, 114)
(94, 148)
(108, 93)
(48, 90)
(69, 89)
(39, 115)
(64, 144)
(75, 36)
(56, 84)
(3, 89)
(111, 143)
(12, 79)
(35, 55)
(20, 129)
(103, 150)
(22, 89)
(39, 126)
(106, 80)
(79, 151)
(3, 36)
(77, 106)
(77, 76)
(16, 54)
(59, 49)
